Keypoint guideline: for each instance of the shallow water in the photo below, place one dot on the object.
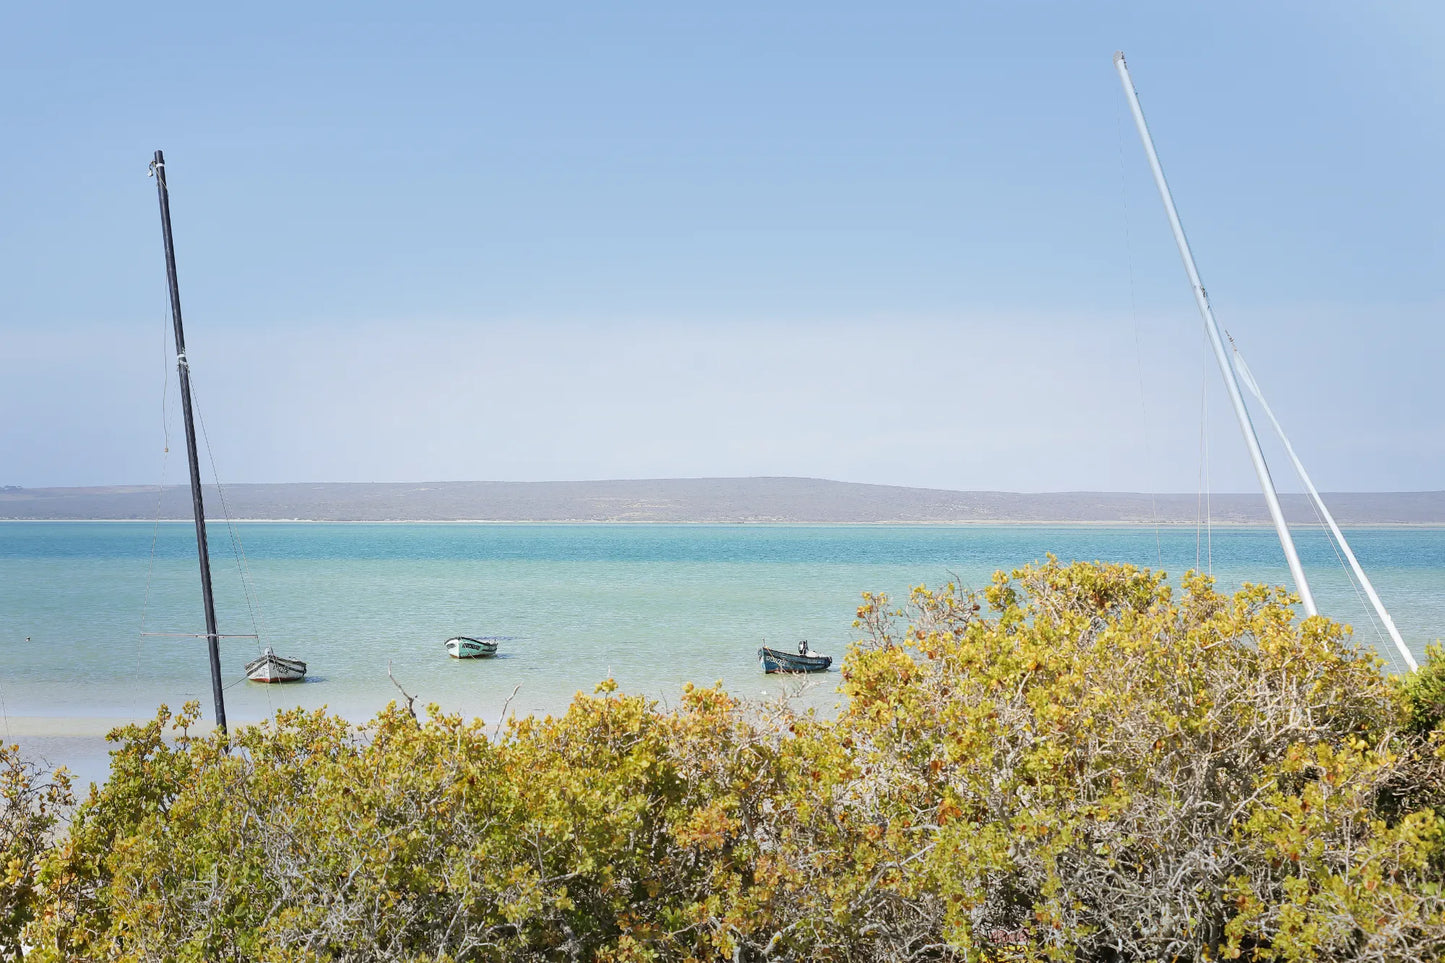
(653, 606)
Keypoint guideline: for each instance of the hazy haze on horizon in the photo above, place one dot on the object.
(913, 247)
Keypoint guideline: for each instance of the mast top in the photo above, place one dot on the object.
(1231, 383)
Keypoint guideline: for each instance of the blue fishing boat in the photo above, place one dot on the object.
(803, 660)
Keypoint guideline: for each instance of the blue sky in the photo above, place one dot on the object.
(908, 244)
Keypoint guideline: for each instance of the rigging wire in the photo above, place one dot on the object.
(237, 550)
(1333, 537)
(1354, 583)
(1204, 509)
(5, 714)
(160, 494)
(1138, 351)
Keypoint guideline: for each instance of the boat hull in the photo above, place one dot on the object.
(777, 660)
(465, 647)
(271, 668)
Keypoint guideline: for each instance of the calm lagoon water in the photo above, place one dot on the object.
(653, 606)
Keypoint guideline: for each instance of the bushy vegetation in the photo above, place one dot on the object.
(29, 809)
(1073, 764)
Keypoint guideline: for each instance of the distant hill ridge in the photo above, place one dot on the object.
(720, 500)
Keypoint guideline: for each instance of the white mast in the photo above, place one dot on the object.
(1202, 299)
(1248, 378)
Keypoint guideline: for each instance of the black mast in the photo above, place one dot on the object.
(158, 168)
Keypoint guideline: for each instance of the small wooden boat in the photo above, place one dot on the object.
(804, 660)
(270, 667)
(464, 647)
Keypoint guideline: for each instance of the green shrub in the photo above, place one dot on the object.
(1101, 772)
(1071, 765)
(29, 807)
(1423, 691)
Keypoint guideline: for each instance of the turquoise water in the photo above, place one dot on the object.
(653, 606)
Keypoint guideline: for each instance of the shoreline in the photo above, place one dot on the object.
(702, 501)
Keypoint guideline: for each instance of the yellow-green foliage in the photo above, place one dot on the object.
(1072, 765)
(1423, 691)
(29, 807)
(1116, 775)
